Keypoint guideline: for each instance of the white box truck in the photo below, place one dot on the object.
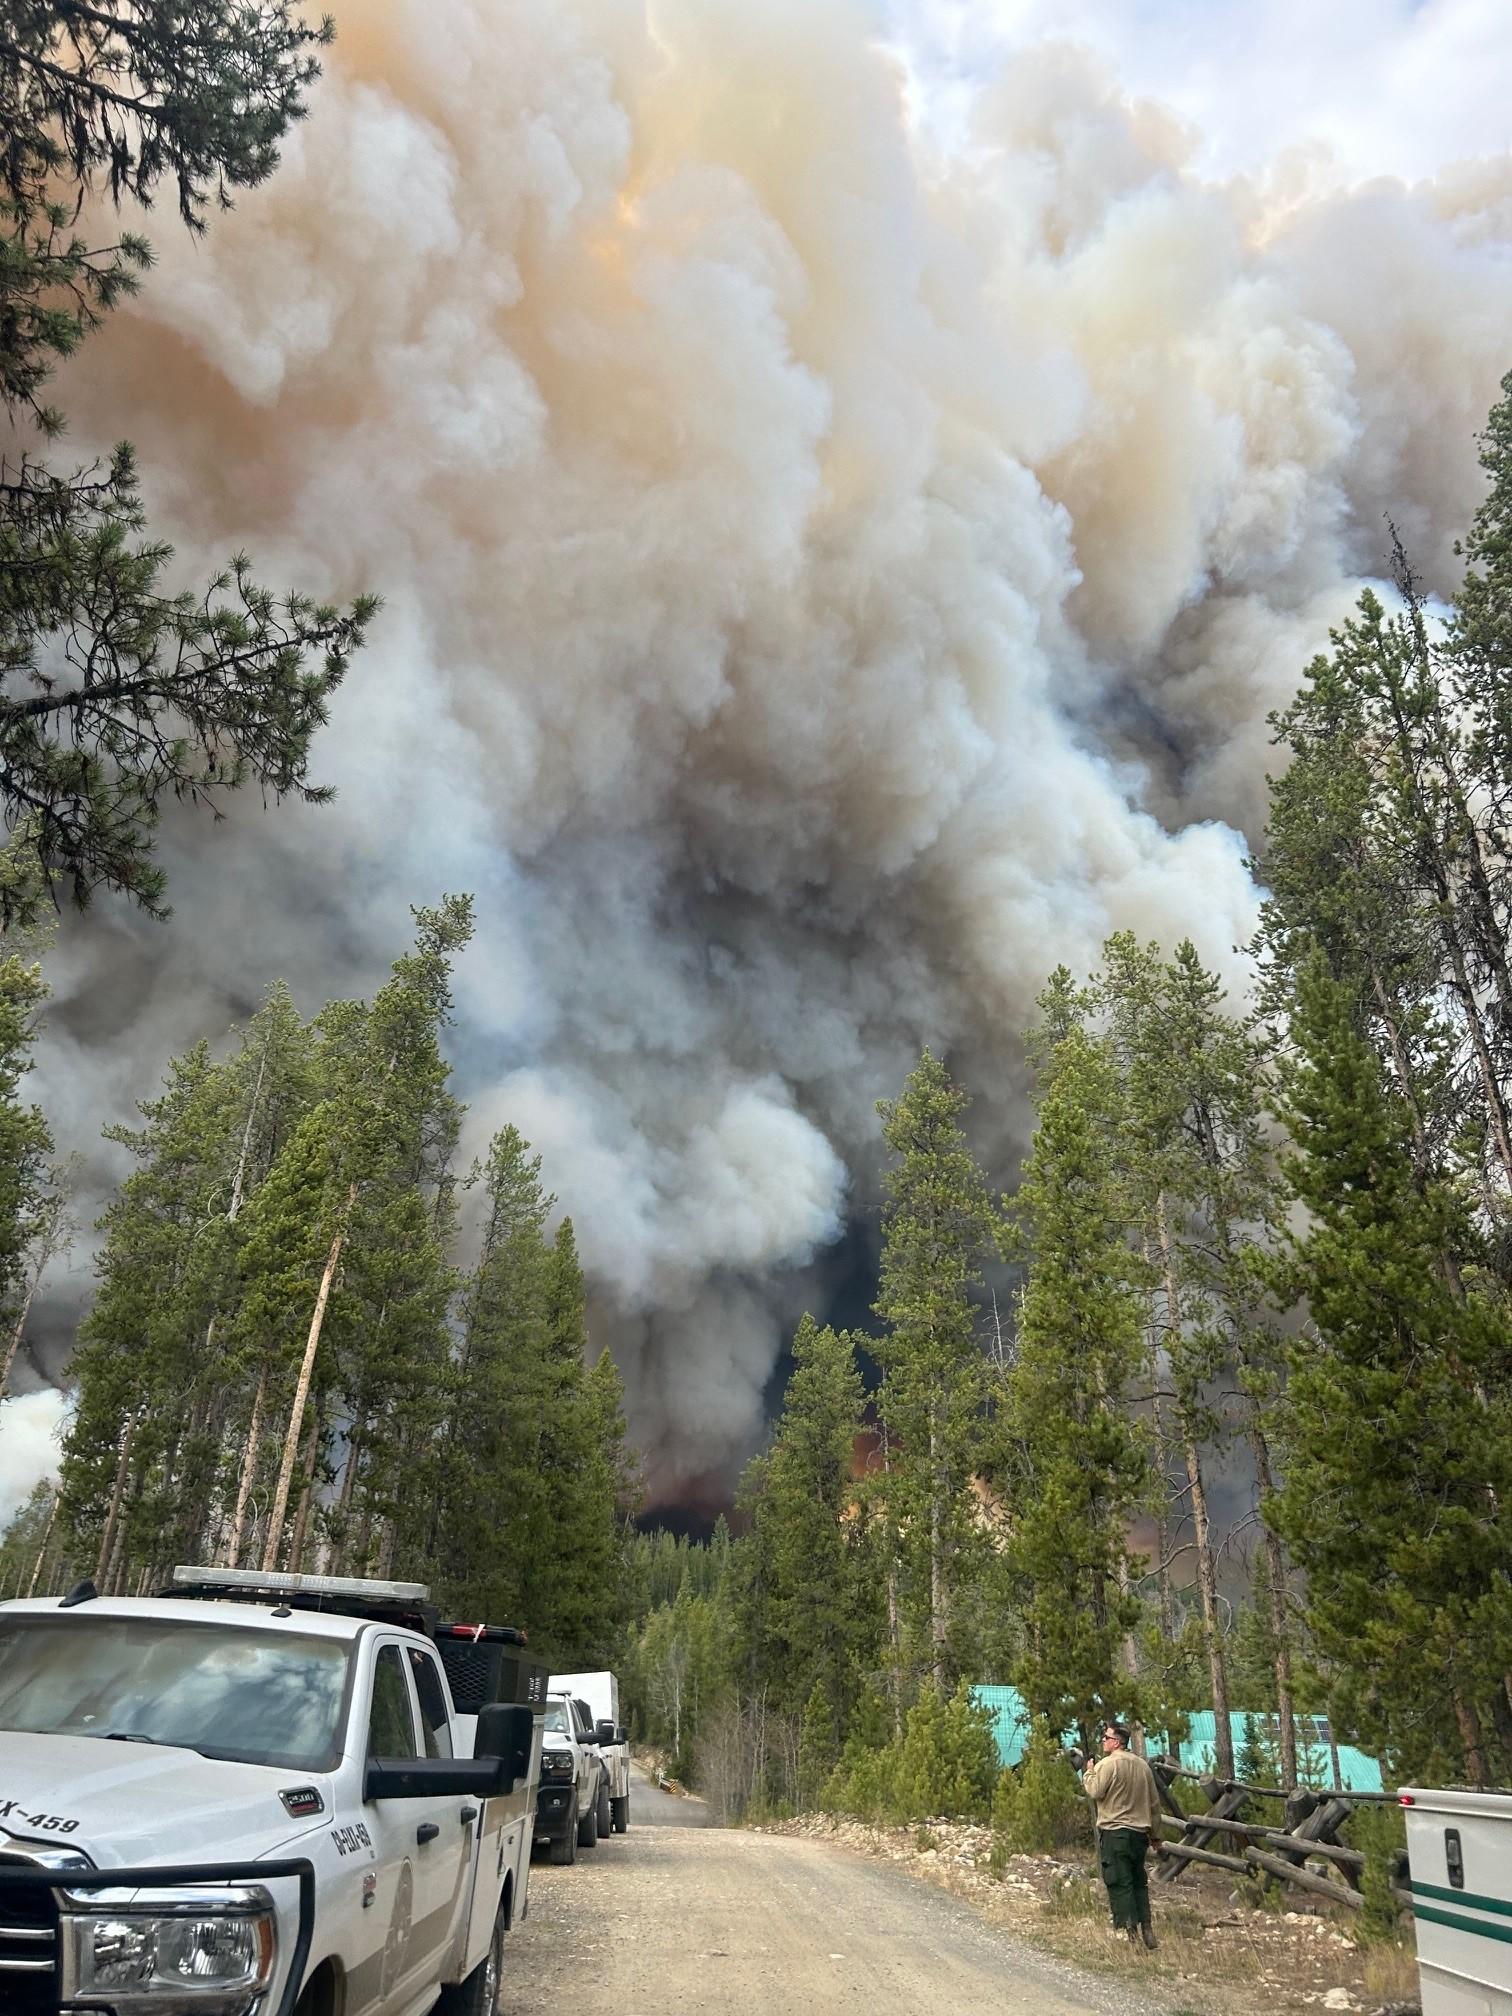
(1459, 1854)
(253, 1795)
(600, 1691)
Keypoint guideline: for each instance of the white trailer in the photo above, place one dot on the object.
(601, 1692)
(1459, 1852)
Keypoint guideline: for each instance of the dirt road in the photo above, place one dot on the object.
(651, 1808)
(675, 1919)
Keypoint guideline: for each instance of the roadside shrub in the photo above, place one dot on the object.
(817, 1756)
(861, 1783)
(1380, 1833)
(1038, 1806)
(945, 1764)
(948, 1759)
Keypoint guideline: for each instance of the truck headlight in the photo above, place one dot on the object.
(161, 1953)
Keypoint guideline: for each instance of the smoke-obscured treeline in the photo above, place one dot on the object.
(1273, 1243)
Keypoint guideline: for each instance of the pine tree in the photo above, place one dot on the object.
(1204, 1194)
(817, 1631)
(938, 1226)
(31, 1547)
(1077, 1466)
(536, 1477)
(1399, 1450)
(25, 1145)
(139, 1365)
(116, 696)
(390, 1126)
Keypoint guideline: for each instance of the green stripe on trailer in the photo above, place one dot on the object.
(1456, 1923)
(1498, 1905)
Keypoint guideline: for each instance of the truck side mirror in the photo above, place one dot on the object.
(506, 1731)
(622, 1735)
(603, 1732)
(431, 1778)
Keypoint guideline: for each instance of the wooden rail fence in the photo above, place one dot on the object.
(1309, 1830)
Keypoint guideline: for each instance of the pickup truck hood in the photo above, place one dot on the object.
(142, 1803)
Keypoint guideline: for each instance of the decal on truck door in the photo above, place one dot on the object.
(396, 1944)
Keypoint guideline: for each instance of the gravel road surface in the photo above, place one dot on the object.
(670, 1919)
(651, 1808)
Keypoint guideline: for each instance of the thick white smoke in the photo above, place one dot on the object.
(30, 1425)
(833, 572)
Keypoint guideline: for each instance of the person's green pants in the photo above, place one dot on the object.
(1121, 1852)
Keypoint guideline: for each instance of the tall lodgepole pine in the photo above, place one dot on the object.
(938, 1225)
(387, 1127)
(25, 1142)
(1077, 1466)
(1397, 1499)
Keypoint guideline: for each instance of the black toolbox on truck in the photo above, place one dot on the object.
(488, 1662)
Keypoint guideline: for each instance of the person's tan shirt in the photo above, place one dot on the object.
(1122, 1788)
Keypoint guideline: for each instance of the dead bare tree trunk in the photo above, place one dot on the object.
(301, 1396)
(1207, 1573)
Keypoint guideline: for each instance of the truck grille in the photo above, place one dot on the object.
(28, 1948)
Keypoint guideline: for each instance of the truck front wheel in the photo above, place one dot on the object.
(478, 1995)
(604, 1816)
(619, 1810)
(587, 1834)
(564, 1848)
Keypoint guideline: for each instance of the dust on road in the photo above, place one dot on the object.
(677, 1919)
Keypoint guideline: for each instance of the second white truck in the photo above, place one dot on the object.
(599, 1693)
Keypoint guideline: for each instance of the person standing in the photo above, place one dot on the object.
(1123, 1791)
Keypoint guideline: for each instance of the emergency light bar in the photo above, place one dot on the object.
(301, 1585)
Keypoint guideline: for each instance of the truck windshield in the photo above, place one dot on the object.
(556, 1719)
(250, 1696)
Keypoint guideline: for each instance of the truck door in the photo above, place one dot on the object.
(416, 1857)
(444, 1860)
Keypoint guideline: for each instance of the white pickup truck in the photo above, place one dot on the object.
(572, 1804)
(599, 1694)
(255, 1795)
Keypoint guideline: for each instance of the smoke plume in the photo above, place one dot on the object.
(833, 572)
